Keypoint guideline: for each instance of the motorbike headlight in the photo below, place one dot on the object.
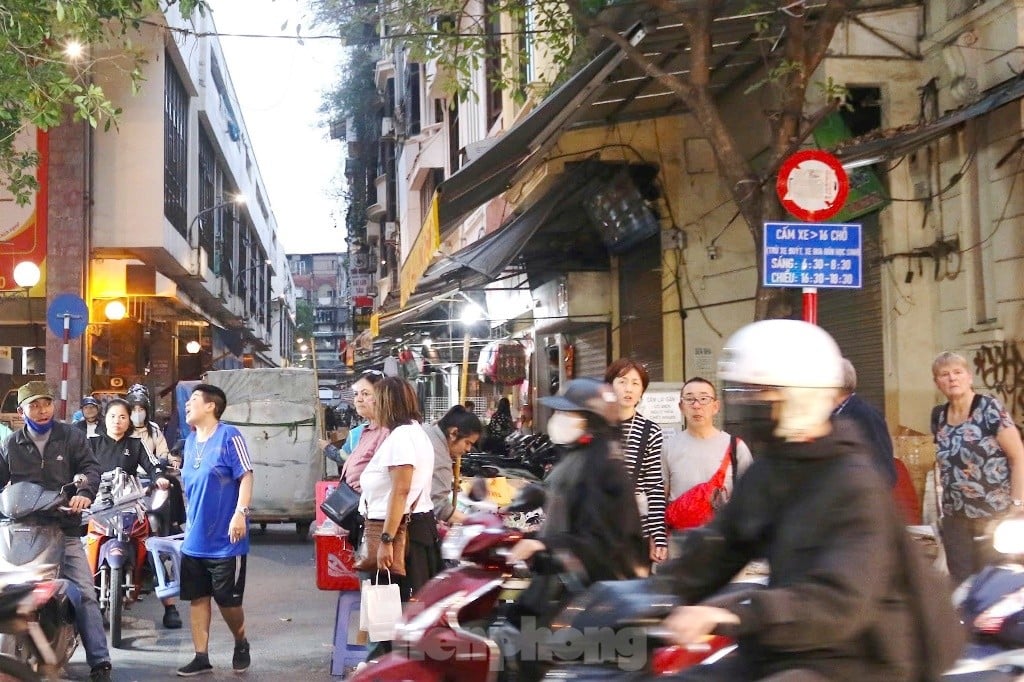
(457, 539)
(1008, 537)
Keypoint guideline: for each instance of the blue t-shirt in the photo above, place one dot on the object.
(211, 492)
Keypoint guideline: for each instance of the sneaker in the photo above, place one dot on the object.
(172, 620)
(240, 661)
(200, 665)
(100, 672)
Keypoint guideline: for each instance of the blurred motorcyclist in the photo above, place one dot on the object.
(590, 513)
(837, 605)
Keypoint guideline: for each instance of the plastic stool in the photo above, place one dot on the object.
(166, 553)
(346, 655)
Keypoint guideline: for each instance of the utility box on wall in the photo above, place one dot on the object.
(578, 297)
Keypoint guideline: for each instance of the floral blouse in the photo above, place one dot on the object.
(973, 469)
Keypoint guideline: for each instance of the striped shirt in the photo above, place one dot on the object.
(651, 481)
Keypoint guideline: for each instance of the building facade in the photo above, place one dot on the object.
(162, 226)
(596, 218)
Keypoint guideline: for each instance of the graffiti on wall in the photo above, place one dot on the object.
(1001, 368)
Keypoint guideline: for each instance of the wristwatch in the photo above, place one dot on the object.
(387, 538)
(1017, 503)
(244, 511)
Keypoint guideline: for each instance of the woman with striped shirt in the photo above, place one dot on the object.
(641, 445)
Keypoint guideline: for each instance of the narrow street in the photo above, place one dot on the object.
(290, 623)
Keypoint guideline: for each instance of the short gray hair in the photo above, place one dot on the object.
(849, 377)
(948, 357)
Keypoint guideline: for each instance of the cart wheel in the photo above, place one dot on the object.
(302, 528)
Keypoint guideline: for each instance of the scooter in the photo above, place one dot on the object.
(444, 630)
(991, 605)
(115, 546)
(37, 607)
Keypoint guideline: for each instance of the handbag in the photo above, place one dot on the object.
(380, 609)
(342, 507)
(366, 555)
(342, 502)
(697, 505)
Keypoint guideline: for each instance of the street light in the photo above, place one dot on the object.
(237, 200)
(26, 276)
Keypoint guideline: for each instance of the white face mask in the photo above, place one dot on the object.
(565, 428)
(138, 419)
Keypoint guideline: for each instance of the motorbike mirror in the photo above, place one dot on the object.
(530, 497)
(80, 481)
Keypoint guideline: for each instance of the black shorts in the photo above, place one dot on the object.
(222, 579)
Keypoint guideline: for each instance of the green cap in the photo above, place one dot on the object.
(32, 391)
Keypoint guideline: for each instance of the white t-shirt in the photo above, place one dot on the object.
(688, 460)
(407, 444)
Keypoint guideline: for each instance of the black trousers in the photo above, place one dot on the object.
(422, 552)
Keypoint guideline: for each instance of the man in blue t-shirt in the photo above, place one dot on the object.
(217, 475)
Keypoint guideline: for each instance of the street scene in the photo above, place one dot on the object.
(516, 341)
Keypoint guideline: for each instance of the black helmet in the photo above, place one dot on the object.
(89, 400)
(134, 399)
(587, 395)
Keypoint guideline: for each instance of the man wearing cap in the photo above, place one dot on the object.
(51, 454)
(91, 422)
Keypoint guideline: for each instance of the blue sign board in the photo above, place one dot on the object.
(74, 309)
(821, 255)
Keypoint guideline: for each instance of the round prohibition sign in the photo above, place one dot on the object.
(812, 185)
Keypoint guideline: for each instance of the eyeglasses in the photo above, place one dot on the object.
(698, 399)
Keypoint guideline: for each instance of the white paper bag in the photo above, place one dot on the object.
(382, 607)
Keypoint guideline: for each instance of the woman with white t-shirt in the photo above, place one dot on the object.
(397, 481)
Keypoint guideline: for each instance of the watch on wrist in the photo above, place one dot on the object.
(387, 538)
(1017, 503)
(244, 511)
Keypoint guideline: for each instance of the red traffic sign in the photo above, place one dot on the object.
(812, 185)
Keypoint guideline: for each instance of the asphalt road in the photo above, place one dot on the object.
(290, 623)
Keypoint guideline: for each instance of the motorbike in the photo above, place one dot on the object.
(115, 546)
(530, 457)
(991, 605)
(444, 630)
(37, 607)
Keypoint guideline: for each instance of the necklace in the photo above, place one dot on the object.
(200, 450)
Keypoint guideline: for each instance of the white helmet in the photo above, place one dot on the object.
(782, 353)
(801, 365)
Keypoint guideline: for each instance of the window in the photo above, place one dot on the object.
(454, 145)
(413, 97)
(207, 195)
(175, 148)
(492, 63)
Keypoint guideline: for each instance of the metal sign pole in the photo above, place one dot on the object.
(811, 305)
(65, 352)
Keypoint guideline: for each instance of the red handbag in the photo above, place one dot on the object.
(697, 505)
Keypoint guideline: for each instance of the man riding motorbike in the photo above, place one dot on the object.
(51, 454)
(838, 604)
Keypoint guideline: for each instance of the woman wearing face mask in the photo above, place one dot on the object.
(590, 512)
(147, 430)
(117, 449)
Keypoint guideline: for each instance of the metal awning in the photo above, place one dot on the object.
(495, 252)
(526, 143)
(894, 143)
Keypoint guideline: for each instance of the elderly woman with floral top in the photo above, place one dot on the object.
(980, 459)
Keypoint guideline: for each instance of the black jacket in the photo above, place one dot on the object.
(837, 600)
(66, 454)
(876, 431)
(592, 513)
(101, 428)
(128, 453)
